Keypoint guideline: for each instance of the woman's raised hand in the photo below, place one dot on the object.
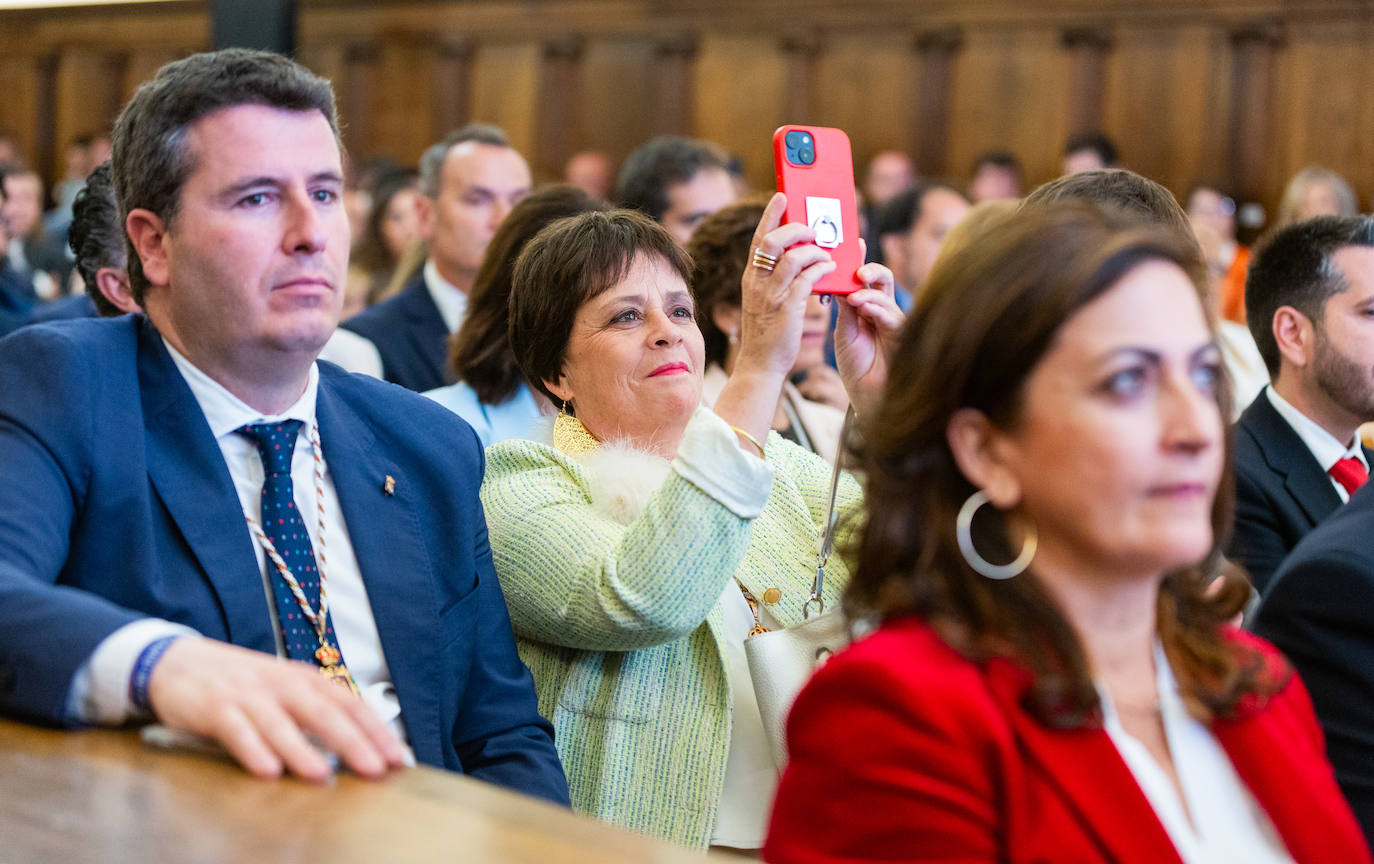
(865, 335)
(773, 300)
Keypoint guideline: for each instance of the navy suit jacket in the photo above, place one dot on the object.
(1281, 491)
(1319, 611)
(411, 336)
(117, 505)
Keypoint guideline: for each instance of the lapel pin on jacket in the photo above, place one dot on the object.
(389, 486)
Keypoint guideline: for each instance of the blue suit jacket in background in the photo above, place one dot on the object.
(117, 505)
(410, 335)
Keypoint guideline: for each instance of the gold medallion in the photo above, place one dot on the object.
(333, 669)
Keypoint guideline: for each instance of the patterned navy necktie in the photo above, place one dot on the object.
(282, 523)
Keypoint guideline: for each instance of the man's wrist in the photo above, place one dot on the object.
(143, 670)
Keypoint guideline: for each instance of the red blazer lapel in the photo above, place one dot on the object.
(1084, 767)
(1279, 754)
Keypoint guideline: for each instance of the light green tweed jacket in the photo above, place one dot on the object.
(619, 621)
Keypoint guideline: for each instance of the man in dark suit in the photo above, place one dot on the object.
(16, 292)
(1319, 611)
(1309, 301)
(174, 477)
(468, 184)
(39, 257)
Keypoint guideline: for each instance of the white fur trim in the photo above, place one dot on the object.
(621, 479)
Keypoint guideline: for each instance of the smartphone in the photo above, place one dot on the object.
(816, 172)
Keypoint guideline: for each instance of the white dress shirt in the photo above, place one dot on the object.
(1324, 446)
(353, 353)
(1217, 819)
(100, 692)
(451, 300)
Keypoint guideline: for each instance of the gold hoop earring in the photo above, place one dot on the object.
(963, 534)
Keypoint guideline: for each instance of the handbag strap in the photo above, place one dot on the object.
(827, 544)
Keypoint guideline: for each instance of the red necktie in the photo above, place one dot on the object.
(1350, 473)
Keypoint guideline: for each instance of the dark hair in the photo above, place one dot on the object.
(720, 251)
(96, 235)
(998, 159)
(566, 264)
(986, 317)
(1096, 142)
(665, 161)
(432, 160)
(904, 210)
(1294, 268)
(151, 159)
(480, 352)
(372, 256)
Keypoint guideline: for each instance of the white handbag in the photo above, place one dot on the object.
(782, 661)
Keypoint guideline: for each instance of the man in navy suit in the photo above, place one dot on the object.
(468, 184)
(1317, 611)
(162, 470)
(1309, 300)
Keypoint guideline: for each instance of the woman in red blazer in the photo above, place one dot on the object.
(1055, 679)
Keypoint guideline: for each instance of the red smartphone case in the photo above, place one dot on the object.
(822, 195)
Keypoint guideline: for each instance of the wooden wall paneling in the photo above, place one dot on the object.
(1322, 115)
(559, 103)
(1164, 105)
(1251, 135)
(43, 154)
(1087, 48)
(674, 78)
(505, 89)
(19, 109)
(142, 62)
(353, 93)
(89, 93)
(1010, 92)
(801, 58)
(400, 113)
(452, 94)
(617, 95)
(937, 52)
(740, 98)
(866, 86)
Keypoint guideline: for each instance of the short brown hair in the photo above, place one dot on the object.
(1134, 195)
(720, 252)
(151, 159)
(986, 318)
(480, 352)
(565, 265)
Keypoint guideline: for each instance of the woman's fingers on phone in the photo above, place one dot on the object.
(771, 219)
(876, 306)
(813, 273)
(781, 239)
(877, 276)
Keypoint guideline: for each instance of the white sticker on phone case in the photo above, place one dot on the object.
(823, 215)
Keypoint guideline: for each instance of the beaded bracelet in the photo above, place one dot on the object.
(143, 670)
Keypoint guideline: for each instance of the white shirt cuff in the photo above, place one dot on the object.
(711, 459)
(99, 693)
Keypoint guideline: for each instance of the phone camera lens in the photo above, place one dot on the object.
(806, 155)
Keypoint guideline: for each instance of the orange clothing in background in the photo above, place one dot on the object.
(1233, 286)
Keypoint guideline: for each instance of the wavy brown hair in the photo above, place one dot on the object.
(720, 252)
(986, 317)
(480, 352)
